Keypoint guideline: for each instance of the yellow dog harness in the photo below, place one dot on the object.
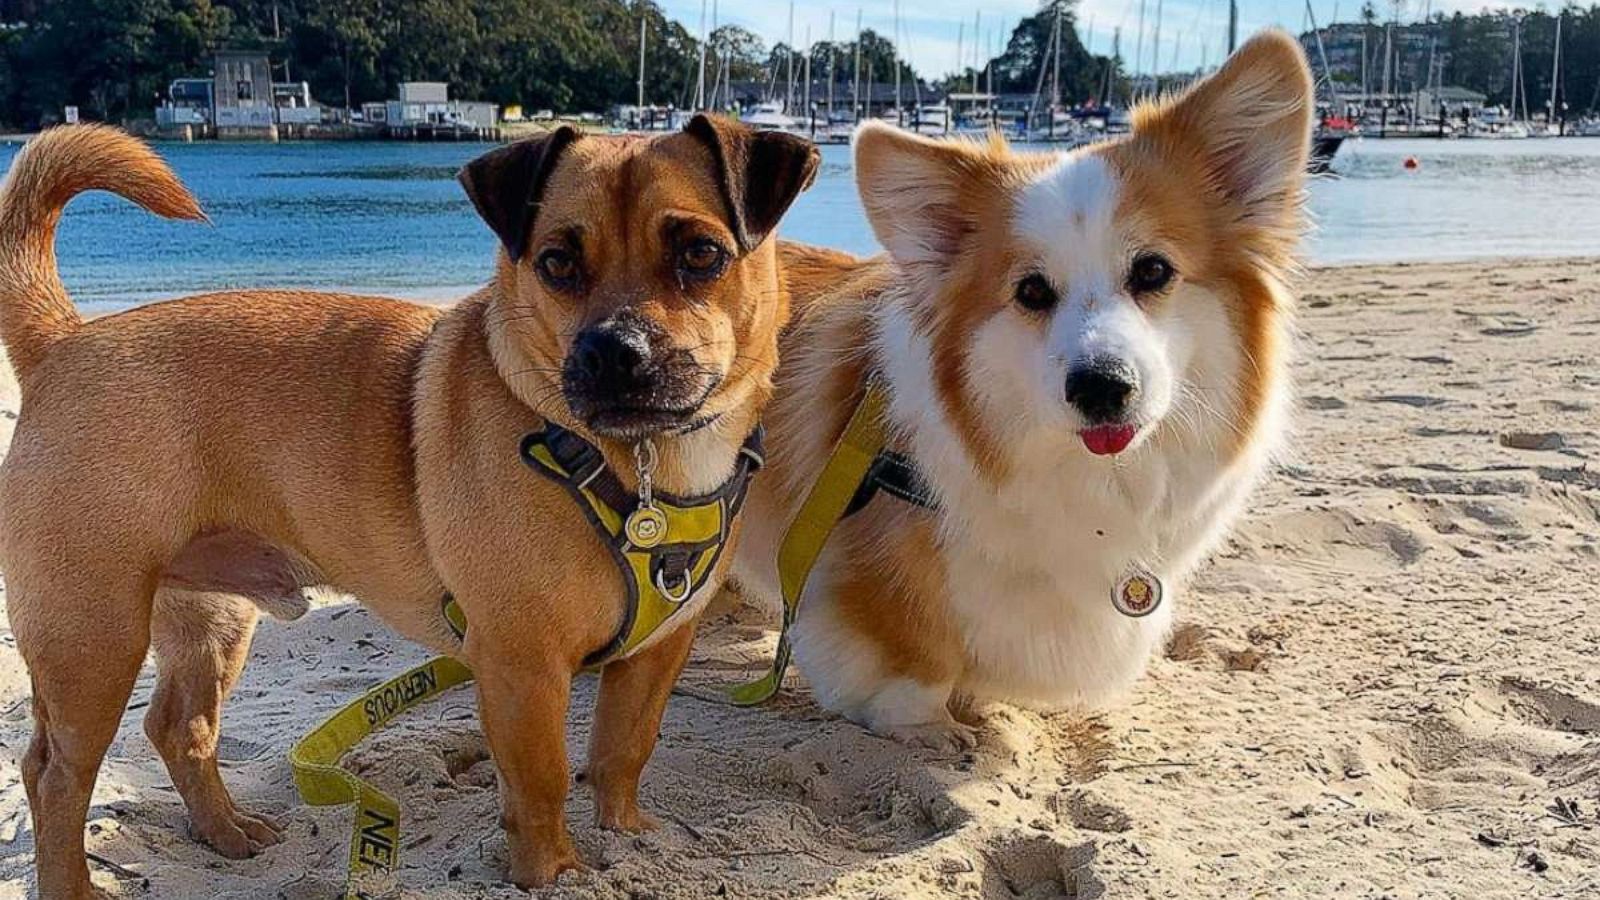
(665, 548)
(857, 470)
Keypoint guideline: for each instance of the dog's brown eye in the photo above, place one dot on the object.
(702, 257)
(1035, 293)
(1150, 273)
(558, 266)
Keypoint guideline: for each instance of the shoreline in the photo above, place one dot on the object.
(443, 295)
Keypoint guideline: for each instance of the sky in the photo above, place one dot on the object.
(1193, 32)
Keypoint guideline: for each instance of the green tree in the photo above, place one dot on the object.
(742, 51)
(1027, 56)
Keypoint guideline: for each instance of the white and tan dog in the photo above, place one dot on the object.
(1086, 358)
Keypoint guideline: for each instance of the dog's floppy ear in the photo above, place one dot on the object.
(924, 197)
(1248, 126)
(760, 173)
(507, 184)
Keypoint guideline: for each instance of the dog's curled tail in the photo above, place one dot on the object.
(54, 167)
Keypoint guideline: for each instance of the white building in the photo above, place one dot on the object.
(429, 103)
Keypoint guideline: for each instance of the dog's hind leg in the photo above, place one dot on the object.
(205, 614)
(201, 641)
(82, 678)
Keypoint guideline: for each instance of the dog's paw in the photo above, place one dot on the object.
(943, 737)
(542, 870)
(628, 820)
(236, 834)
(971, 712)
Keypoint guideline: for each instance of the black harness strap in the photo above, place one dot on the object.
(895, 474)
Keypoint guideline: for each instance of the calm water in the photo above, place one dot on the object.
(390, 217)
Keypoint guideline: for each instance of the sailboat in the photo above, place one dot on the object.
(773, 114)
(1514, 126)
(1329, 133)
(1551, 127)
(1059, 125)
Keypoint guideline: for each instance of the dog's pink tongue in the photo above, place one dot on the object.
(1107, 440)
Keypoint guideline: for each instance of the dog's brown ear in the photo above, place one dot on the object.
(506, 185)
(1249, 125)
(761, 172)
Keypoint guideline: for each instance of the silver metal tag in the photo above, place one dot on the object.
(1137, 593)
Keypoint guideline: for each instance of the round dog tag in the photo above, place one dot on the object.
(1137, 594)
(645, 527)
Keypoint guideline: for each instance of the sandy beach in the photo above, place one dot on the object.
(1385, 685)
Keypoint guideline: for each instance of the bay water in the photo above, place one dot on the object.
(389, 217)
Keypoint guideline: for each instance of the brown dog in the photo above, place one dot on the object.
(181, 466)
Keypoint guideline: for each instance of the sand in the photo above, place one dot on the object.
(1386, 685)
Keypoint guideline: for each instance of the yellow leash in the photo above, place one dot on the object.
(660, 577)
(375, 833)
(825, 504)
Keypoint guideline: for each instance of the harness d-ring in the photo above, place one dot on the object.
(685, 587)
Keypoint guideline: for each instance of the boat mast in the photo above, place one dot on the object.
(1366, 81)
(1044, 69)
(855, 86)
(788, 99)
(831, 47)
(1388, 44)
(1555, 74)
(1233, 32)
(1138, 44)
(961, 51)
(977, 47)
(1516, 63)
(1522, 86)
(805, 103)
(641, 65)
(1111, 66)
(722, 67)
(1322, 54)
(899, 104)
(700, 81)
(1055, 76)
(988, 81)
(1155, 53)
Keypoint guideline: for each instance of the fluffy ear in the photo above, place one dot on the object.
(923, 196)
(760, 173)
(1248, 125)
(507, 184)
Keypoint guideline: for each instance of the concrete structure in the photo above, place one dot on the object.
(424, 109)
(242, 94)
(241, 102)
(292, 104)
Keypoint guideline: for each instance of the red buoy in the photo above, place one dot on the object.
(1412, 163)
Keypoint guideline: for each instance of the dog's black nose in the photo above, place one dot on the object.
(1102, 389)
(613, 356)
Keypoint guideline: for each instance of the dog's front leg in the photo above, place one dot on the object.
(522, 699)
(627, 720)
